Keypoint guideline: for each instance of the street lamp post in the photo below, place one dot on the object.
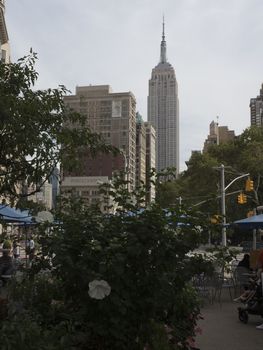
(223, 204)
(223, 199)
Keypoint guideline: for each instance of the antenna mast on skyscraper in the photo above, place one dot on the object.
(163, 58)
(163, 28)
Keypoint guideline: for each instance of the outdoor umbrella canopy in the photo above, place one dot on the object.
(253, 222)
(167, 213)
(11, 215)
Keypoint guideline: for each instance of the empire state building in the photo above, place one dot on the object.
(163, 111)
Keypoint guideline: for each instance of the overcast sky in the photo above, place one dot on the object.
(215, 47)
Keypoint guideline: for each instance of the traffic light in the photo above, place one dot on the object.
(215, 219)
(241, 198)
(249, 185)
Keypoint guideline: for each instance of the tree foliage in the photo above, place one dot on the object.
(141, 254)
(200, 183)
(34, 126)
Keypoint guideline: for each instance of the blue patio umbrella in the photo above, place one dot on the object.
(12, 215)
(167, 213)
(253, 222)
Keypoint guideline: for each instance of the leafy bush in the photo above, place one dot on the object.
(141, 255)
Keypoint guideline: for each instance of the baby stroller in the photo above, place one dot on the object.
(253, 305)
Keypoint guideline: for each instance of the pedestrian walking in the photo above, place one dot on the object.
(16, 249)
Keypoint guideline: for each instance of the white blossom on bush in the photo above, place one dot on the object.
(99, 289)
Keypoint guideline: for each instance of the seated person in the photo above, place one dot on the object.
(244, 262)
(246, 296)
(242, 272)
(249, 293)
(254, 283)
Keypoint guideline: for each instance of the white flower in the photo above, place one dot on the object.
(99, 289)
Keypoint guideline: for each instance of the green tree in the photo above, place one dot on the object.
(34, 126)
(140, 254)
(243, 155)
(199, 183)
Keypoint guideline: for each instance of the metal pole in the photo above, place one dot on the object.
(26, 247)
(254, 244)
(180, 201)
(223, 199)
(223, 204)
(209, 238)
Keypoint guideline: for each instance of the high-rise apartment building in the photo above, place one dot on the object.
(163, 111)
(54, 180)
(145, 156)
(256, 109)
(43, 196)
(140, 151)
(4, 44)
(113, 116)
(218, 135)
(150, 160)
(88, 188)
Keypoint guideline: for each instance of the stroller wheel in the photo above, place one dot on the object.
(243, 316)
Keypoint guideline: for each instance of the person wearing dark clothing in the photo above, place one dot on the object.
(6, 262)
(244, 262)
(242, 278)
(6, 269)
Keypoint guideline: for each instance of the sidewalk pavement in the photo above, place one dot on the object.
(222, 330)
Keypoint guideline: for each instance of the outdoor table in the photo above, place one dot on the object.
(249, 274)
(6, 276)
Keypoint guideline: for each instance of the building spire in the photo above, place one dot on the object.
(163, 58)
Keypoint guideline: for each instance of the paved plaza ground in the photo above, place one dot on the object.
(222, 330)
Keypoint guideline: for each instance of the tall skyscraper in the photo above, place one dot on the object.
(256, 109)
(4, 45)
(113, 116)
(163, 111)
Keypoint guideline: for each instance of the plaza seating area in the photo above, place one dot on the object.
(220, 326)
(231, 278)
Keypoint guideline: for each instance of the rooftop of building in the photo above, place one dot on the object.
(98, 91)
(163, 66)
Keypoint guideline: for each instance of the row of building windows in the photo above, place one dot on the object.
(164, 76)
